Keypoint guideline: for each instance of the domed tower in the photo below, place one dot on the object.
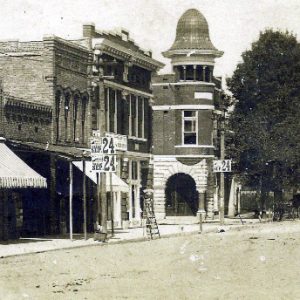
(183, 106)
(192, 53)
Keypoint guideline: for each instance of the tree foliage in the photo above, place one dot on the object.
(265, 119)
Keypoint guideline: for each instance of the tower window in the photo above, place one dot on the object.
(189, 127)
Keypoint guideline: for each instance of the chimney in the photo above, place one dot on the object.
(89, 30)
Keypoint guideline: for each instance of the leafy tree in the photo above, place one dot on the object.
(265, 119)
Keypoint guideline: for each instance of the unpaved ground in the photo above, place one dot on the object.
(261, 262)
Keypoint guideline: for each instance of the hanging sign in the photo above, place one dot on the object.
(103, 145)
(222, 165)
(103, 154)
(104, 163)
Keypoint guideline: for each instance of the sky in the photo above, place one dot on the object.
(233, 24)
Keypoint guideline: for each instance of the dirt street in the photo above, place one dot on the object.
(260, 262)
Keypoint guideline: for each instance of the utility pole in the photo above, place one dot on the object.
(222, 157)
(84, 200)
(103, 198)
(102, 129)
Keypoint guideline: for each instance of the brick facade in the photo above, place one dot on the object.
(183, 123)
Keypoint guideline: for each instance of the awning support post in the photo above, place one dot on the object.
(84, 201)
(111, 205)
(71, 199)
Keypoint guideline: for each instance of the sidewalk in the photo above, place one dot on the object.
(37, 245)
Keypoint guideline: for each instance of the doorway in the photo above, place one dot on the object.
(181, 196)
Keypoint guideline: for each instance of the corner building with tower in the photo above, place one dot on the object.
(184, 129)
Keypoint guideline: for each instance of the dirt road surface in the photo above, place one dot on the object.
(260, 262)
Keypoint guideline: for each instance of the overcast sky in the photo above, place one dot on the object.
(234, 24)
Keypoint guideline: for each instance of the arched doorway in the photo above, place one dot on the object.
(181, 196)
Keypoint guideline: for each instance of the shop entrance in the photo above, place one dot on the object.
(181, 196)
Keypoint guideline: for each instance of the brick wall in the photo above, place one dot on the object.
(25, 77)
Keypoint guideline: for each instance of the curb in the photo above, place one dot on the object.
(139, 239)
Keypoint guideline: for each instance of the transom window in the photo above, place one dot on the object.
(190, 127)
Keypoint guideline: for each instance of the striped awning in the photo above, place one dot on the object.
(15, 173)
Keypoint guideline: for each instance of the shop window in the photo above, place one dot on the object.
(190, 127)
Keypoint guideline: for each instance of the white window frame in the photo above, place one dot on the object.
(194, 118)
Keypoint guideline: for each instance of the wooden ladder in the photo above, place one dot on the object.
(151, 223)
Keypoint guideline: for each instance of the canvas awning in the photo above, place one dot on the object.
(118, 185)
(15, 173)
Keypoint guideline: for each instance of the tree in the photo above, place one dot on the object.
(265, 119)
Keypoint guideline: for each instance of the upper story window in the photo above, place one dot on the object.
(190, 127)
(137, 107)
(111, 110)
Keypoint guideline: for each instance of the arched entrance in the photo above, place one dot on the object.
(181, 195)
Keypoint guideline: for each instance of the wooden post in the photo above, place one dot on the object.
(102, 128)
(222, 156)
(71, 199)
(84, 200)
(111, 205)
(98, 201)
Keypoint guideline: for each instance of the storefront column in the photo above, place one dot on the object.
(52, 205)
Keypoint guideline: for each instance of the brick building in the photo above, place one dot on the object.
(183, 123)
(55, 94)
(122, 74)
(45, 117)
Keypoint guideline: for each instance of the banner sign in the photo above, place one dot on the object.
(222, 165)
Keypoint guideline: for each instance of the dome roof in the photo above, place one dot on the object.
(192, 32)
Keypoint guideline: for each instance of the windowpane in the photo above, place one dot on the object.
(190, 138)
(190, 126)
(189, 113)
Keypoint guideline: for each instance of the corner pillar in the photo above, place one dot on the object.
(210, 190)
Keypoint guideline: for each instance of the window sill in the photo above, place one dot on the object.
(137, 139)
(194, 146)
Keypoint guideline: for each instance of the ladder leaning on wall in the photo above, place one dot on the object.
(151, 223)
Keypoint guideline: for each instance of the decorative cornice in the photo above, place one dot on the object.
(113, 48)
